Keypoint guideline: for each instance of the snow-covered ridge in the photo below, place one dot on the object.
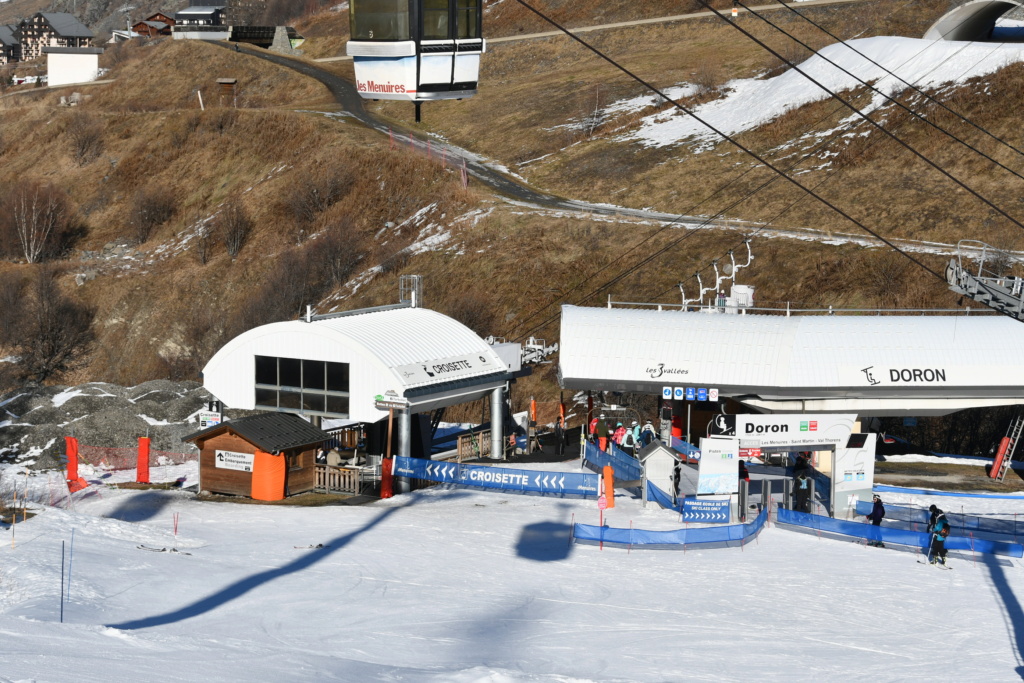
(753, 102)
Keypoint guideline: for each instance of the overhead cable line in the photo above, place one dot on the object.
(924, 93)
(730, 139)
(887, 97)
(813, 152)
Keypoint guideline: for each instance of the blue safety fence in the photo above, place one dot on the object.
(663, 499)
(915, 539)
(625, 467)
(677, 538)
(885, 488)
(960, 523)
(686, 448)
(500, 478)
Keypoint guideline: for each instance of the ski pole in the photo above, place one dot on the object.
(62, 582)
(71, 558)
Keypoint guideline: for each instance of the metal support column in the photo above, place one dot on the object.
(404, 444)
(497, 426)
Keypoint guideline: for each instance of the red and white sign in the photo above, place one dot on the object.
(602, 503)
(750, 452)
(712, 394)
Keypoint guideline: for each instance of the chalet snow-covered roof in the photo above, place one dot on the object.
(199, 11)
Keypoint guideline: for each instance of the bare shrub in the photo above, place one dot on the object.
(204, 243)
(11, 288)
(35, 220)
(151, 207)
(708, 77)
(57, 333)
(86, 134)
(475, 311)
(338, 254)
(791, 53)
(887, 278)
(234, 225)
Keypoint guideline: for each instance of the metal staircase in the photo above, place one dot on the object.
(1010, 442)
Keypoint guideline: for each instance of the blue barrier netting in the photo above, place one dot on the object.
(678, 537)
(661, 498)
(916, 539)
(958, 522)
(687, 449)
(625, 467)
(502, 478)
(884, 488)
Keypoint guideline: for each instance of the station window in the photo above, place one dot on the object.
(292, 385)
(379, 19)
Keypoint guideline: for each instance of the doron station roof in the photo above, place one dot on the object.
(872, 365)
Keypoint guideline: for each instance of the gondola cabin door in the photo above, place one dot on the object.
(416, 50)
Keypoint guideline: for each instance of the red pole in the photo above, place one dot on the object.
(175, 524)
(142, 462)
(71, 446)
(601, 524)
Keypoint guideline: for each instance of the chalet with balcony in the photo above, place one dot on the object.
(51, 29)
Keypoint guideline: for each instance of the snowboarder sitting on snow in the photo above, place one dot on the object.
(940, 531)
(877, 513)
(934, 509)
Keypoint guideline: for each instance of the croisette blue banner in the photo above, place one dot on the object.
(502, 478)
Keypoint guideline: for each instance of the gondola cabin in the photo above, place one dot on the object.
(416, 50)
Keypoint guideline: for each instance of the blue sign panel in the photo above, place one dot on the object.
(702, 394)
(666, 392)
(503, 478)
(678, 394)
(708, 511)
(691, 393)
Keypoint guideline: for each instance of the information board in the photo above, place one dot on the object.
(230, 460)
(708, 510)
(718, 471)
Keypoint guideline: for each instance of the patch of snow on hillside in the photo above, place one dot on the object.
(65, 396)
(152, 421)
(753, 102)
(634, 104)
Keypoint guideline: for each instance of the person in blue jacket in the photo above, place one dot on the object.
(876, 515)
(939, 533)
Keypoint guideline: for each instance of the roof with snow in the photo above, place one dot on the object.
(870, 365)
(421, 355)
(66, 25)
(199, 10)
(270, 432)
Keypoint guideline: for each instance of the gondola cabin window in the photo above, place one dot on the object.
(468, 18)
(310, 387)
(379, 20)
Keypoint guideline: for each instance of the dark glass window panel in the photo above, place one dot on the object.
(379, 19)
(313, 402)
(291, 400)
(467, 18)
(337, 376)
(291, 372)
(337, 405)
(266, 370)
(435, 20)
(266, 398)
(313, 374)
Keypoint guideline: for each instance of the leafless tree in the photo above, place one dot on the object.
(11, 288)
(235, 226)
(312, 194)
(36, 215)
(86, 135)
(151, 208)
(204, 243)
(57, 331)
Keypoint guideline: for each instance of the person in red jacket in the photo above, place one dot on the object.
(602, 434)
(619, 435)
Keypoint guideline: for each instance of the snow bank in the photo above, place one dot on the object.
(754, 102)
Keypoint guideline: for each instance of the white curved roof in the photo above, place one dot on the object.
(399, 349)
(872, 364)
(974, 20)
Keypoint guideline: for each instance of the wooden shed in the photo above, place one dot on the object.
(266, 457)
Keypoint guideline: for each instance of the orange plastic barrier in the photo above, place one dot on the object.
(142, 466)
(997, 464)
(386, 478)
(268, 476)
(609, 485)
(75, 482)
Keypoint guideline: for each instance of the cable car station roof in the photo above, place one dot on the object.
(873, 365)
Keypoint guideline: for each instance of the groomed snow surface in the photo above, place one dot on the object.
(460, 585)
(750, 103)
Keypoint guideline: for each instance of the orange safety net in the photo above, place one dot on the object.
(142, 463)
(268, 473)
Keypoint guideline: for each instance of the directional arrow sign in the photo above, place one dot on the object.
(705, 510)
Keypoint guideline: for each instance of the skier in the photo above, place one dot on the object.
(647, 434)
(601, 431)
(934, 509)
(877, 513)
(803, 493)
(559, 437)
(634, 427)
(619, 435)
(628, 442)
(940, 531)
(592, 432)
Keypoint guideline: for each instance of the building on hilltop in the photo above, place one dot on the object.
(10, 47)
(51, 29)
(200, 16)
(152, 29)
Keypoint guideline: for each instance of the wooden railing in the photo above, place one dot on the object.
(475, 445)
(337, 479)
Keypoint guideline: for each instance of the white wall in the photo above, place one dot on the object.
(63, 69)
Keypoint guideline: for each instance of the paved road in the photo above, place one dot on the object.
(351, 102)
(636, 22)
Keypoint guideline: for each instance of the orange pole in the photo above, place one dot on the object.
(142, 464)
(609, 485)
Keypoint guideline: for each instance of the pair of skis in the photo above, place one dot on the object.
(161, 550)
(942, 564)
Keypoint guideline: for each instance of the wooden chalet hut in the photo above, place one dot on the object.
(265, 457)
